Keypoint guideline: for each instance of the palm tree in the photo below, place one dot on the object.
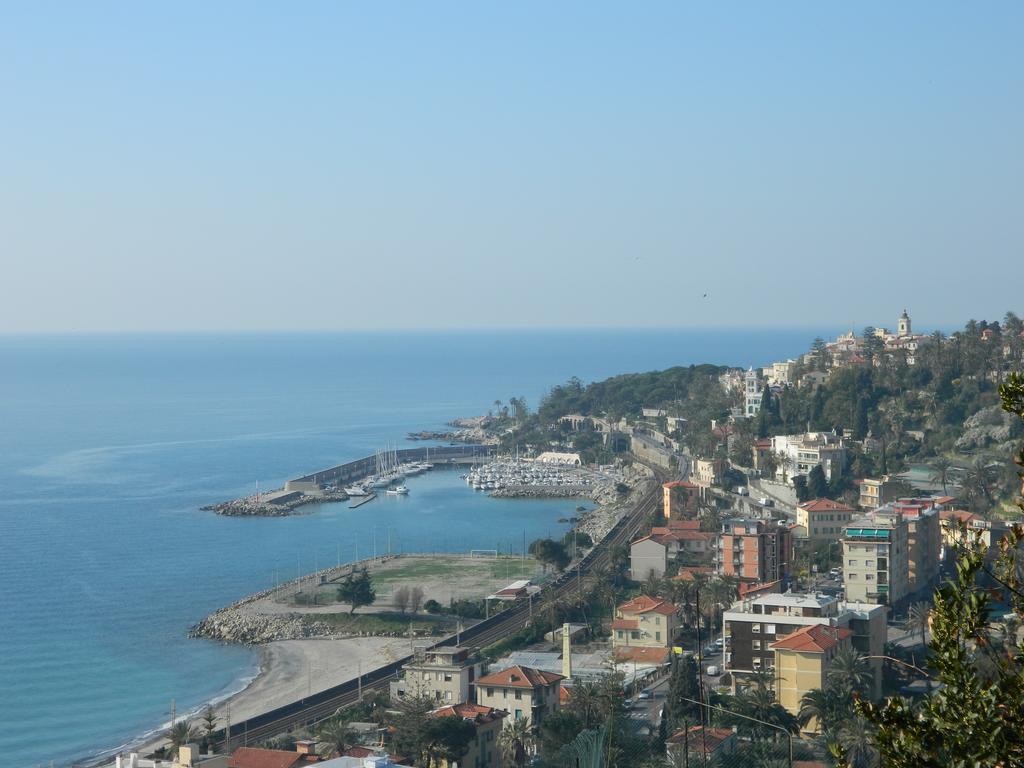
(337, 734)
(977, 485)
(516, 740)
(181, 733)
(857, 739)
(850, 671)
(918, 617)
(588, 703)
(940, 471)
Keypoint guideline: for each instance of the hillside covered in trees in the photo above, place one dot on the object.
(937, 408)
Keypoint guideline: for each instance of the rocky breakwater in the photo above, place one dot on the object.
(274, 504)
(230, 625)
(613, 503)
(544, 492)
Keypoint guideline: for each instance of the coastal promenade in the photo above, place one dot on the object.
(312, 709)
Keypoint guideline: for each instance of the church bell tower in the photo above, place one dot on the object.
(904, 324)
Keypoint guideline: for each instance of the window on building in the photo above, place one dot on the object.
(757, 645)
(869, 577)
(618, 633)
(657, 636)
(869, 563)
(755, 628)
(519, 695)
(851, 576)
(851, 562)
(448, 677)
(490, 691)
(757, 663)
(769, 628)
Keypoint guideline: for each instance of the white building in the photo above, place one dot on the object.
(751, 393)
(801, 453)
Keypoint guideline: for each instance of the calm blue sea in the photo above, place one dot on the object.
(110, 444)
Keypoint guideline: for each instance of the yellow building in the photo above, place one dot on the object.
(823, 519)
(645, 622)
(802, 660)
(523, 692)
(483, 751)
(960, 528)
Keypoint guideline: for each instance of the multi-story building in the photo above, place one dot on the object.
(520, 691)
(799, 454)
(960, 529)
(780, 374)
(823, 519)
(645, 622)
(752, 393)
(924, 546)
(753, 626)
(446, 674)
(754, 550)
(708, 472)
(667, 544)
(483, 751)
(680, 499)
(875, 568)
(802, 661)
(876, 492)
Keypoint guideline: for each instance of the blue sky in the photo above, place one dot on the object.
(237, 166)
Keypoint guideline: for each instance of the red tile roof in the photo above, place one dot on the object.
(824, 505)
(680, 484)
(958, 514)
(677, 525)
(625, 623)
(564, 695)
(713, 738)
(251, 757)
(475, 712)
(520, 677)
(647, 604)
(816, 638)
(641, 655)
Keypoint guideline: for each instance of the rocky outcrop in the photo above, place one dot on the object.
(249, 628)
(989, 427)
(542, 492)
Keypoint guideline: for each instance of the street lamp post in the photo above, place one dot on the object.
(745, 717)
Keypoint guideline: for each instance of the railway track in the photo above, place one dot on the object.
(319, 706)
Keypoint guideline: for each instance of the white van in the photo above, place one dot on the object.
(713, 670)
(742, 491)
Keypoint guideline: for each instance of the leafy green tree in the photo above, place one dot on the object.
(683, 684)
(817, 485)
(209, 725)
(550, 552)
(850, 672)
(357, 590)
(447, 738)
(558, 729)
(803, 493)
(409, 725)
(856, 739)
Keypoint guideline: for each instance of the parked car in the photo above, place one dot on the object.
(764, 501)
(644, 695)
(835, 573)
(713, 670)
(742, 491)
(711, 650)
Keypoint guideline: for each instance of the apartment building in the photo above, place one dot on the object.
(645, 622)
(823, 519)
(446, 674)
(802, 661)
(875, 568)
(752, 393)
(876, 492)
(753, 626)
(520, 691)
(664, 545)
(754, 550)
(801, 453)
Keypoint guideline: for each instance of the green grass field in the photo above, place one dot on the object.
(381, 623)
